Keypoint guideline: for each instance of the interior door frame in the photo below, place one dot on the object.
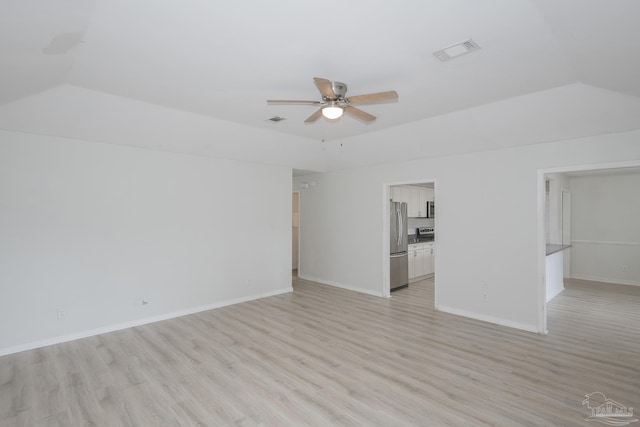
(542, 286)
(299, 228)
(386, 229)
(565, 227)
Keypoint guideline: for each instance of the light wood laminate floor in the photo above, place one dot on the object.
(323, 356)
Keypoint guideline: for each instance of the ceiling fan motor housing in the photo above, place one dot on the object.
(340, 90)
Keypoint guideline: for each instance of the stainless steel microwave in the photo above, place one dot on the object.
(431, 210)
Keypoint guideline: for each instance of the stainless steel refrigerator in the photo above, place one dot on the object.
(398, 245)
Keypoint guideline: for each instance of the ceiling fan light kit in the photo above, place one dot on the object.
(332, 112)
(334, 103)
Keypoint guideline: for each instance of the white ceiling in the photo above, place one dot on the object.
(110, 63)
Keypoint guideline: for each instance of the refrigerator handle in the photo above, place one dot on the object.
(399, 213)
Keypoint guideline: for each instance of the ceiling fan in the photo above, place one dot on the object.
(334, 103)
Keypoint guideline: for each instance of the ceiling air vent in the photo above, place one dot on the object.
(276, 119)
(456, 49)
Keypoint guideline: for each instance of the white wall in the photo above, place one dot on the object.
(486, 227)
(554, 266)
(92, 229)
(606, 228)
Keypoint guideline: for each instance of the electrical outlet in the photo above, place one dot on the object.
(61, 314)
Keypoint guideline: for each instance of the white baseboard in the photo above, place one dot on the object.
(417, 279)
(340, 285)
(139, 322)
(490, 319)
(605, 280)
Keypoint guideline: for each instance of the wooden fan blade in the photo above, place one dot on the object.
(374, 98)
(358, 114)
(315, 116)
(324, 86)
(291, 102)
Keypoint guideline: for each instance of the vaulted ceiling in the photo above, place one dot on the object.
(171, 75)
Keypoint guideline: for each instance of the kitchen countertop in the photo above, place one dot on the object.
(552, 249)
(420, 242)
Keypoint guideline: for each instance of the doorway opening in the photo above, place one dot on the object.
(585, 230)
(409, 235)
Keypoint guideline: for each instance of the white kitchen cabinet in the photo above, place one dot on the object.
(415, 197)
(413, 253)
(424, 195)
(429, 258)
(400, 194)
(420, 261)
(413, 202)
(416, 262)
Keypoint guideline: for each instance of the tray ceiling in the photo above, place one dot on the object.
(222, 60)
